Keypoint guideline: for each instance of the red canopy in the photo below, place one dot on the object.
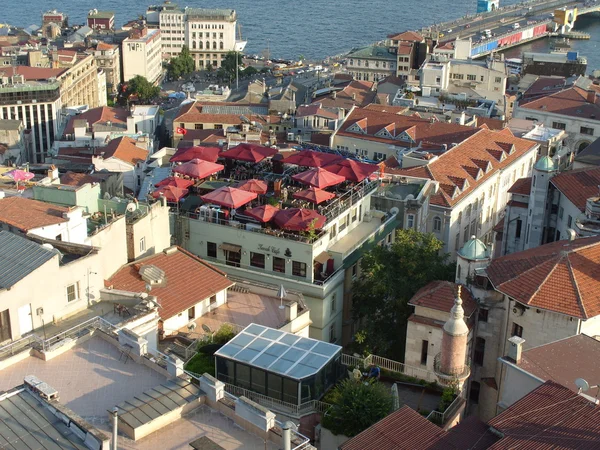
(171, 193)
(314, 195)
(352, 170)
(311, 158)
(263, 213)
(186, 154)
(256, 186)
(175, 181)
(249, 152)
(319, 178)
(197, 168)
(299, 219)
(229, 197)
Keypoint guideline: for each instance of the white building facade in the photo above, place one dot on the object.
(142, 55)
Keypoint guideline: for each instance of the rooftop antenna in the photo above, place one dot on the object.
(584, 386)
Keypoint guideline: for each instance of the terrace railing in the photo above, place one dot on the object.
(19, 345)
(441, 418)
(346, 200)
(389, 365)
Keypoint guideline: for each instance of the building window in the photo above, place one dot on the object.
(466, 234)
(498, 80)
(344, 222)
(471, 77)
(354, 215)
(257, 260)
(519, 226)
(333, 303)
(517, 330)
(410, 221)
(561, 211)
(142, 244)
(299, 269)
(213, 300)
(211, 249)
(559, 125)
(5, 331)
(73, 292)
(278, 264)
(483, 314)
(437, 224)
(479, 353)
(587, 130)
(474, 392)
(199, 126)
(332, 333)
(333, 231)
(233, 258)
(424, 349)
(354, 271)
(569, 221)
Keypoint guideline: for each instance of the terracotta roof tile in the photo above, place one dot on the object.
(517, 204)
(194, 113)
(315, 109)
(409, 36)
(533, 277)
(578, 185)
(189, 280)
(26, 214)
(357, 93)
(440, 295)
(522, 186)
(569, 102)
(126, 150)
(102, 115)
(77, 179)
(34, 73)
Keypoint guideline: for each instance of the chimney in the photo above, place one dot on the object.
(115, 431)
(515, 349)
(334, 95)
(591, 97)
(287, 435)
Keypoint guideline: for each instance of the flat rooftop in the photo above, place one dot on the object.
(353, 240)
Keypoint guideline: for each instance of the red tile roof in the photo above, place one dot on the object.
(315, 109)
(534, 277)
(409, 36)
(193, 113)
(101, 115)
(77, 179)
(578, 185)
(126, 150)
(105, 46)
(440, 295)
(404, 429)
(203, 136)
(564, 361)
(405, 48)
(522, 186)
(27, 214)
(516, 204)
(550, 417)
(451, 169)
(471, 433)
(357, 93)
(34, 73)
(545, 86)
(189, 280)
(570, 102)
(492, 124)
(386, 108)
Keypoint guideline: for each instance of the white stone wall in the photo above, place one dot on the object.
(74, 230)
(416, 333)
(174, 323)
(515, 384)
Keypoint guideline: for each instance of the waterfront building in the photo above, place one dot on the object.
(142, 55)
(411, 49)
(558, 64)
(103, 20)
(53, 16)
(108, 59)
(371, 63)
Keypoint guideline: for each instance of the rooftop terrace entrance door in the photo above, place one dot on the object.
(25, 319)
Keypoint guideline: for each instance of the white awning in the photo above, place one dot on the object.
(231, 247)
(323, 257)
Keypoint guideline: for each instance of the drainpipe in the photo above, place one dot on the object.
(115, 420)
(287, 435)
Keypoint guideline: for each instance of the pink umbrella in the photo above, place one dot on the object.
(314, 195)
(186, 154)
(229, 197)
(263, 213)
(197, 168)
(171, 193)
(319, 178)
(256, 186)
(311, 158)
(249, 153)
(352, 170)
(299, 219)
(19, 175)
(175, 181)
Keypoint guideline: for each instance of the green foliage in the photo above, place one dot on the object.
(181, 65)
(228, 65)
(388, 280)
(201, 364)
(250, 71)
(273, 201)
(265, 70)
(142, 88)
(356, 406)
(448, 397)
(224, 334)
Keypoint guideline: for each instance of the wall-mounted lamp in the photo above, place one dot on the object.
(244, 253)
(288, 261)
(268, 256)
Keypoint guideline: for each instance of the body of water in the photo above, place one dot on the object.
(313, 28)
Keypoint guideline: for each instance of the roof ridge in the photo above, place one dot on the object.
(520, 274)
(576, 285)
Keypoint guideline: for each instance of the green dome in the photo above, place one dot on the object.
(474, 249)
(545, 164)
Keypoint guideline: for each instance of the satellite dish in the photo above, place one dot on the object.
(191, 326)
(206, 328)
(582, 384)
(148, 287)
(131, 207)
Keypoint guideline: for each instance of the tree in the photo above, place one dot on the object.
(229, 64)
(249, 71)
(181, 65)
(388, 280)
(356, 406)
(142, 88)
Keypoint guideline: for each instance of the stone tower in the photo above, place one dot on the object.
(450, 364)
(537, 228)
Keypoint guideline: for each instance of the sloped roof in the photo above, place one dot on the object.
(569, 102)
(454, 167)
(315, 109)
(561, 277)
(102, 114)
(590, 154)
(189, 280)
(578, 185)
(126, 150)
(549, 417)
(26, 214)
(34, 73)
(224, 113)
(77, 179)
(19, 257)
(410, 36)
(522, 186)
(357, 93)
(440, 295)
(373, 52)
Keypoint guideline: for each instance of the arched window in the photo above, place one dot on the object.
(214, 45)
(533, 184)
(582, 146)
(458, 271)
(476, 204)
(474, 392)
(479, 351)
(220, 45)
(460, 217)
(207, 45)
(194, 45)
(200, 45)
(437, 224)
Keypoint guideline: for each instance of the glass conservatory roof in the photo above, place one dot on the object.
(279, 352)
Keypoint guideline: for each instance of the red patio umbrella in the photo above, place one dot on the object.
(197, 168)
(186, 154)
(249, 152)
(352, 170)
(175, 181)
(171, 193)
(319, 178)
(311, 158)
(256, 186)
(314, 195)
(229, 197)
(297, 219)
(263, 213)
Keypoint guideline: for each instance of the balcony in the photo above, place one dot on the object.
(449, 379)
